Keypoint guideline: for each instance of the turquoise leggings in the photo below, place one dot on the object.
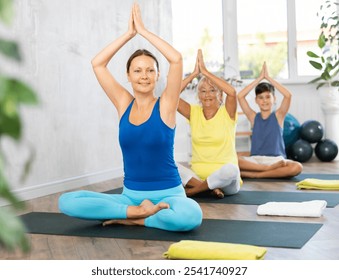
(184, 213)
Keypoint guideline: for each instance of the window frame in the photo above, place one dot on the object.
(229, 18)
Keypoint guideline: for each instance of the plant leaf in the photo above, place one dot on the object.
(6, 11)
(336, 72)
(10, 126)
(316, 65)
(17, 90)
(329, 67)
(312, 54)
(325, 76)
(12, 231)
(22, 92)
(10, 49)
(28, 163)
(7, 194)
(321, 41)
(320, 85)
(315, 80)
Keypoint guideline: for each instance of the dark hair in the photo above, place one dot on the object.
(263, 87)
(139, 53)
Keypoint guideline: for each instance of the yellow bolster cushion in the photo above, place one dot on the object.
(318, 184)
(203, 250)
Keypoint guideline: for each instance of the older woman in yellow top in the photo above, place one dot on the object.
(214, 163)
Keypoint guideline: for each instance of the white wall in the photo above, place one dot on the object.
(74, 130)
(305, 103)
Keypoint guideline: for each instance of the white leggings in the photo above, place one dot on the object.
(226, 178)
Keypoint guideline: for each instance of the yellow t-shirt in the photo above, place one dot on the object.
(213, 141)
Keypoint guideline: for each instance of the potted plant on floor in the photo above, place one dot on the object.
(326, 60)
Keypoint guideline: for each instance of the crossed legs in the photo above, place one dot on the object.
(167, 209)
(225, 181)
(279, 168)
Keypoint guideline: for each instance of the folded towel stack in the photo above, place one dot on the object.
(318, 184)
(313, 208)
(203, 250)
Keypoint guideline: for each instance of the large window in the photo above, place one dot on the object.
(308, 30)
(262, 36)
(198, 24)
(242, 34)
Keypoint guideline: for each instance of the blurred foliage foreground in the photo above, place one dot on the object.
(13, 94)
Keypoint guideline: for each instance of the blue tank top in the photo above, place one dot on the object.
(267, 137)
(148, 153)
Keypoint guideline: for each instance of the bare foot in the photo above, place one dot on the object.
(198, 187)
(145, 209)
(189, 190)
(127, 222)
(136, 214)
(218, 193)
(149, 209)
(280, 163)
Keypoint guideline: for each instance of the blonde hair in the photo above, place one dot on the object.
(204, 80)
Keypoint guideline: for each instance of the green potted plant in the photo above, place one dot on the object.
(13, 94)
(327, 60)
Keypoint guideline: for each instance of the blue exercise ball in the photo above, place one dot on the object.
(301, 151)
(326, 150)
(311, 131)
(291, 130)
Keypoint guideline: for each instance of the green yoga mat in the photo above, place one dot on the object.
(297, 178)
(261, 197)
(268, 234)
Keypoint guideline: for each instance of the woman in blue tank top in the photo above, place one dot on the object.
(153, 194)
(268, 157)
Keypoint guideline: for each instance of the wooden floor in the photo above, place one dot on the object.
(324, 245)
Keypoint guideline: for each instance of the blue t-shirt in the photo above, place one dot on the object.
(148, 153)
(267, 137)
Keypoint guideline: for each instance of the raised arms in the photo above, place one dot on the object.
(231, 95)
(248, 111)
(116, 92)
(184, 108)
(119, 96)
(284, 106)
(231, 99)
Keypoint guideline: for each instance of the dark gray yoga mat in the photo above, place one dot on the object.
(297, 178)
(259, 233)
(261, 197)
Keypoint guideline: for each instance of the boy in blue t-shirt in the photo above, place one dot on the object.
(268, 157)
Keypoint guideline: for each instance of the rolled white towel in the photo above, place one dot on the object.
(313, 208)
